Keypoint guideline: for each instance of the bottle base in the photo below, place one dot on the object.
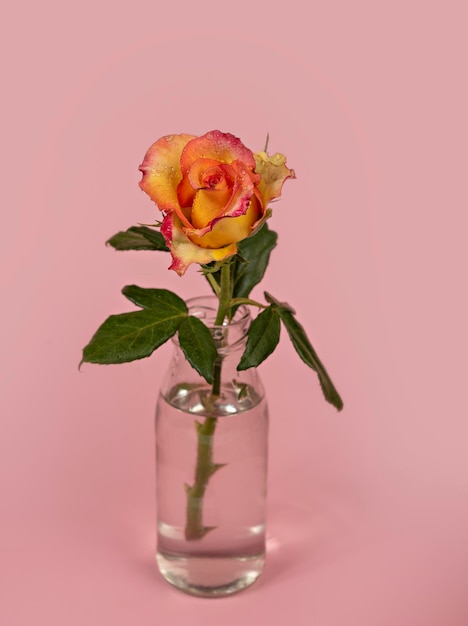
(210, 577)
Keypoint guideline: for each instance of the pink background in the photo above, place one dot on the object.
(368, 509)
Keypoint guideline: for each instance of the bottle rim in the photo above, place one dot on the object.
(206, 307)
(230, 336)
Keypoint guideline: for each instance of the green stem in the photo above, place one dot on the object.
(216, 288)
(194, 528)
(216, 389)
(225, 294)
(223, 307)
(205, 468)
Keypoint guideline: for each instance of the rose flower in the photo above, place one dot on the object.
(212, 191)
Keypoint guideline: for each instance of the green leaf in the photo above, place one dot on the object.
(277, 304)
(198, 346)
(305, 350)
(130, 336)
(255, 252)
(155, 299)
(249, 264)
(263, 337)
(138, 238)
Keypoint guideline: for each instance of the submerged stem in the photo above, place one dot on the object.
(194, 528)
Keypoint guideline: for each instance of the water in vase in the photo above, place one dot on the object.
(211, 487)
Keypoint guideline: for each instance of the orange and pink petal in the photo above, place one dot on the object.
(237, 205)
(221, 147)
(273, 172)
(227, 229)
(184, 252)
(161, 171)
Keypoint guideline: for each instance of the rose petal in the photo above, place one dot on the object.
(208, 205)
(222, 147)
(201, 167)
(242, 194)
(273, 172)
(217, 177)
(184, 252)
(185, 193)
(226, 230)
(161, 171)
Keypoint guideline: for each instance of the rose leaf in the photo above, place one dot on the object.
(262, 339)
(138, 238)
(255, 252)
(305, 350)
(198, 346)
(155, 299)
(130, 336)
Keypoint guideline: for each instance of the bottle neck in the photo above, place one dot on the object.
(240, 388)
(230, 337)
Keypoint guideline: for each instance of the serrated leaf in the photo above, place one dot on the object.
(138, 238)
(198, 346)
(262, 339)
(130, 336)
(305, 350)
(249, 264)
(155, 299)
(256, 252)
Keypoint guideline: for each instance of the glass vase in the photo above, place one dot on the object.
(211, 462)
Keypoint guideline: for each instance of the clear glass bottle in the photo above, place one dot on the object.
(211, 459)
